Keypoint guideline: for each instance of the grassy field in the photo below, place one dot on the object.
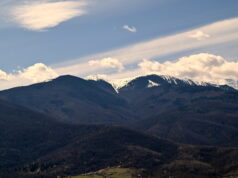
(109, 173)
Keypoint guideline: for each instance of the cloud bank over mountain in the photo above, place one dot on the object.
(199, 67)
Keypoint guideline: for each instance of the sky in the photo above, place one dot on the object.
(117, 39)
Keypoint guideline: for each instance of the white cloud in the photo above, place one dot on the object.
(107, 63)
(199, 67)
(130, 29)
(44, 14)
(199, 35)
(3, 75)
(36, 73)
(97, 77)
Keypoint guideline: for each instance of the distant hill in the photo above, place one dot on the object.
(118, 147)
(23, 131)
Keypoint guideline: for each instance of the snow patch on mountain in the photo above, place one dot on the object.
(152, 84)
(116, 83)
(119, 83)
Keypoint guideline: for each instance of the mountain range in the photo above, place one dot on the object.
(70, 126)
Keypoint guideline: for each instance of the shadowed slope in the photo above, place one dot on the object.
(72, 100)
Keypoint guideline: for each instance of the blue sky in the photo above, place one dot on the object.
(89, 35)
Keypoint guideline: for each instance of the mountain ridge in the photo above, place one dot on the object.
(153, 104)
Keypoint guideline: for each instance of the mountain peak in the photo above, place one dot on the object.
(152, 81)
(67, 77)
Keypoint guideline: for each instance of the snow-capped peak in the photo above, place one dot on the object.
(120, 83)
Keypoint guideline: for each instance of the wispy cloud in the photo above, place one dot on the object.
(42, 15)
(130, 29)
(199, 35)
